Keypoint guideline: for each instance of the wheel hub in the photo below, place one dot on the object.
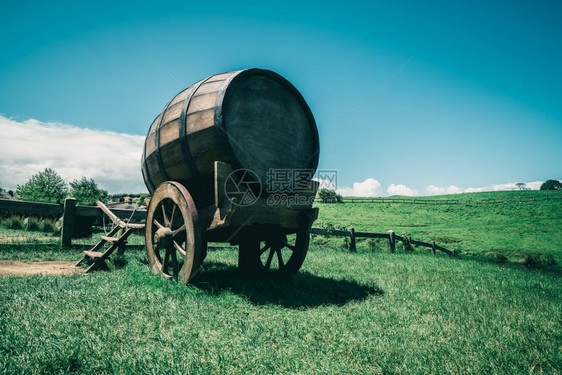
(163, 237)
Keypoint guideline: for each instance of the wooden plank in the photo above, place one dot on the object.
(352, 244)
(209, 87)
(169, 132)
(199, 120)
(202, 102)
(92, 254)
(420, 243)
(319, 231)
(391, 241)
(91, 211)
(337, 232)
(109, 239)
(36, 208)
(222, 171)
(172, 113)
(441, 248)
(116, 219)
(68, 214)
(370, 235)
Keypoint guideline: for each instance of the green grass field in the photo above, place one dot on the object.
(513, 228)
(345, 313)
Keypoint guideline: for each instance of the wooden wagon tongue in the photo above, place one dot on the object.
(252, 119)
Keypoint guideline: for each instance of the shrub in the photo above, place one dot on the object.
(13, 222)
(48, 226)
(33, 224)
(534, 259)
(329, 196)
(551, 185)
(406, 243)
(87, 192)
(499, 257)
(45, 186)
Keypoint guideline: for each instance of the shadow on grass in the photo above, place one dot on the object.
(555, 269)
(303, 290)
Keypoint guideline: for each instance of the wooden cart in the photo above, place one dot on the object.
(273, 239)
(253, 120)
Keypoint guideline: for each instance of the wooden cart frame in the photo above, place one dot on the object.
(273, 239)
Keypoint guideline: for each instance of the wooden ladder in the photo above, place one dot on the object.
(100, 252)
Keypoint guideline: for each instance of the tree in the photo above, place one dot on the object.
(329, 196)
(522, 186)
(551, 185)
(86, 191)
(45, 186)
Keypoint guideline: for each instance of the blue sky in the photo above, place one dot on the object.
(477, 104)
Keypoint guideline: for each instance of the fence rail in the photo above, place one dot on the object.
(390, 237)
(425, 201)
(70, 213)
(54, 210)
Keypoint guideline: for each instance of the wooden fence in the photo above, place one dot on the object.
(69, 211)
(390, 237)
(428, 201)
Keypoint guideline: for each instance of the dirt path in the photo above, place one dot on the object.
(13, 267)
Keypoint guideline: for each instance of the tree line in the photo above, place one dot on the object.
(48, 186)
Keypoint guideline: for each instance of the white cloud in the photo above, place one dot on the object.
(534, 185)
(454, 190)
(368, 188)
(399, 189)
(436, 190)
(112, 159)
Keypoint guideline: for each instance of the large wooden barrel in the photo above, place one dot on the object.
(252, 119)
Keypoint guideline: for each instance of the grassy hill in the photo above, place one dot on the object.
(512, 223)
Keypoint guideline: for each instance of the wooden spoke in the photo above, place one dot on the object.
(290, 247)
(165, 216)
(179, 230)
(172, 215)
(279, 258)
(158, 225)
(264, 249)
(165, 264)
(253, 261)
(179, 248)
(269, 258)
(175, 268)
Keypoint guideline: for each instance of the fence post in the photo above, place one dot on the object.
(433, 247)
(352, 245)
(68, 214)
(391, 241)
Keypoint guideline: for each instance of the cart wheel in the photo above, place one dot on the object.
(277, 256)
(174, 246)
